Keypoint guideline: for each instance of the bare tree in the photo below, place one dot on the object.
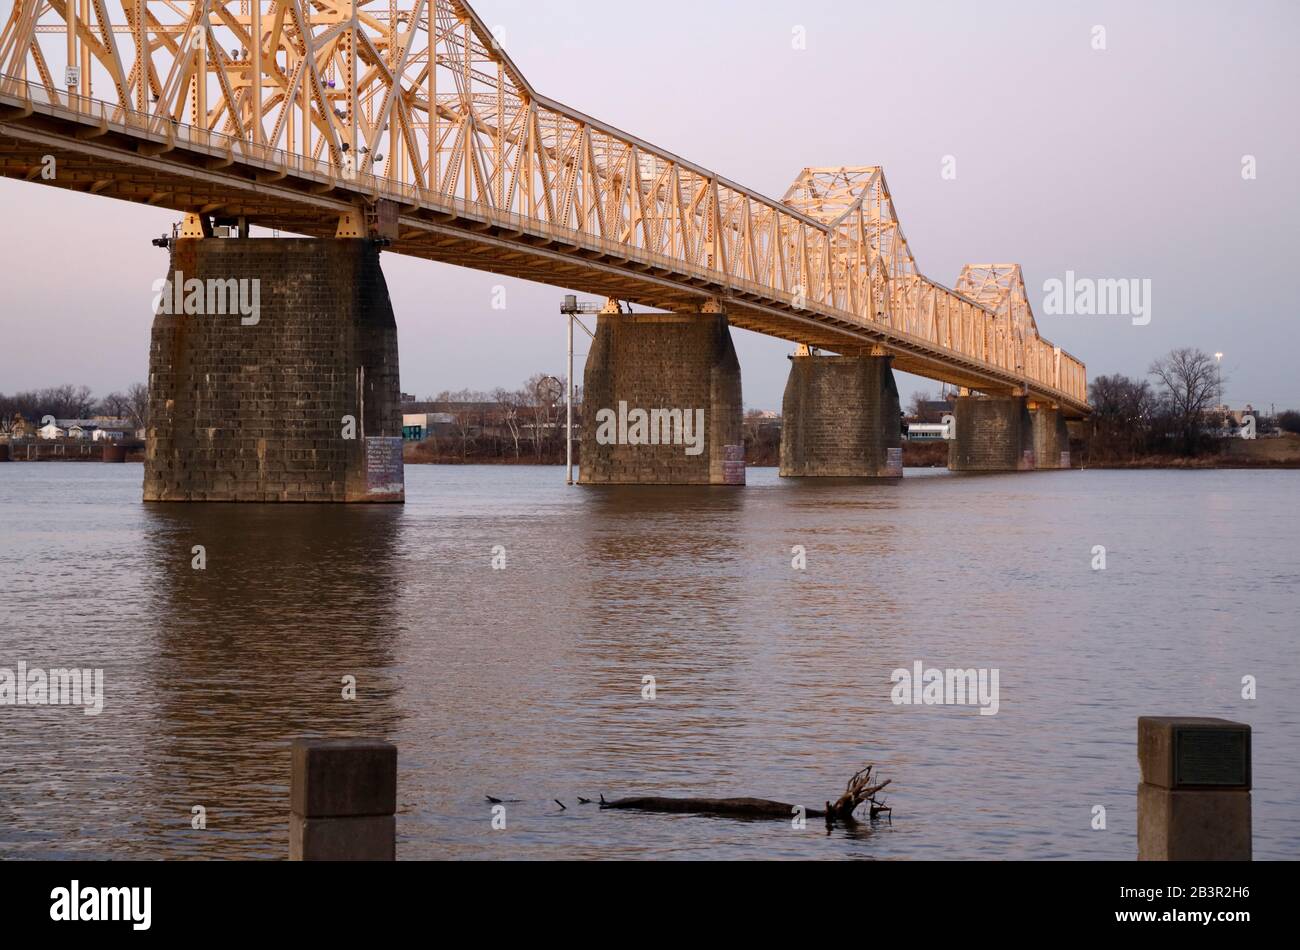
(1123, 411)
(138, 405)
(116, 405)
(916, 408)
(25, 404)
(462, 410)
(545, 395)
(1189, 380)
(66, 401)
(511, 404)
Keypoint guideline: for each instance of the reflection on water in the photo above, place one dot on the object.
(253, 649)
(526, 683)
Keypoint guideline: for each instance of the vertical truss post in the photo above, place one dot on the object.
(71, 16)
(85, 51)
(256, 78)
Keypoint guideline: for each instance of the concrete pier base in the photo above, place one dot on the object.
(651, 382)
(1051, 437)
(283, 386)
(841, 419)
(994, 434)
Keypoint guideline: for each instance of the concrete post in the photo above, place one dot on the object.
(343, 798)
(662, 402)
(841, 419)
(1194, 798)
(994, 434)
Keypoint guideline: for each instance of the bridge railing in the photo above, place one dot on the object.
(972, 332)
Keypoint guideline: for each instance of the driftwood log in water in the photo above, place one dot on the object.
(859, 790)
(732, 807)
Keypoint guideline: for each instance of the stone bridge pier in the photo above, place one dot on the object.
(841, 418)
(1051, 436)
(994, 434)
(273, 374)
(662, 401)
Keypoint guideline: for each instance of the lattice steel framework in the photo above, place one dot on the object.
(415, 101)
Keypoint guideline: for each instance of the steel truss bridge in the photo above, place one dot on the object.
(301, 114)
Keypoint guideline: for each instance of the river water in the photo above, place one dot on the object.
(526, 683)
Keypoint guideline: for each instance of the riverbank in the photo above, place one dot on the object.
(1207, 462)
(67, 451)
(1279, 452)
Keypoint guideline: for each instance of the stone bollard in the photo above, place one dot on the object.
(344, 799)
(1194, 800)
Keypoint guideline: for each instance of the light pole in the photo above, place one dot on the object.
(1218, 359)
(568, 412)
(571, 308)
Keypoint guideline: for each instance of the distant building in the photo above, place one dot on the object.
(416, 427)
(475, 409)
(1224, 421)
(77, 428)
(115, 429)
(99, 429)
(1238, 416)
(926, 432)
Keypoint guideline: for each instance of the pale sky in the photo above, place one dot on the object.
(1122, 163)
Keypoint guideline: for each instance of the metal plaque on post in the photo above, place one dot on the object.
(384, 471)
(1212, 758)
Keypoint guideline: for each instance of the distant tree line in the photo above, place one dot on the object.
(1175, 411)
(75, 402)
(1172, 412)
(762, 435)
(527, 423)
